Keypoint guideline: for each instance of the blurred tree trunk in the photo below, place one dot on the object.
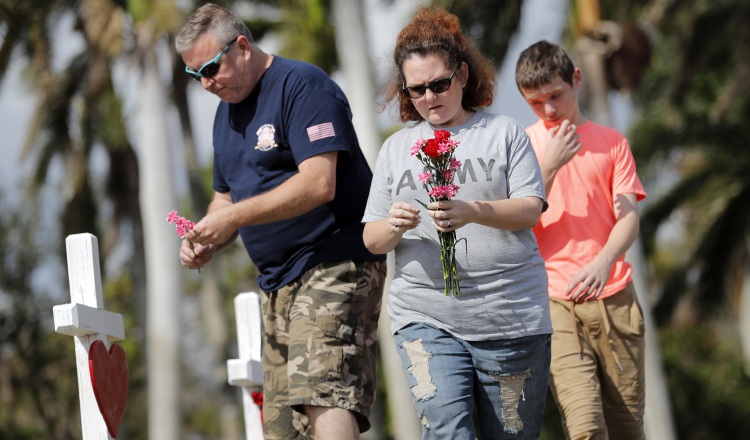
(592, 52)
(354, 59)
(164, 283)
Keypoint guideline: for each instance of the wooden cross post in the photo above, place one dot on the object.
(85, 320)
(246, 372)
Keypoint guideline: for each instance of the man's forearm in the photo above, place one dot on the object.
(313, 186)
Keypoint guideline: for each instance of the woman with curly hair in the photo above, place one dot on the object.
(477, 362)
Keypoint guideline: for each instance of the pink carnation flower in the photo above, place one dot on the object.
(455, 164)
(425, 177)
(417, 148)
(182, 225)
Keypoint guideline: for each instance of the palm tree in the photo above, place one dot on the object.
(77, 110)
(76, 113)
(693, 113)
(84, 90)
(694, 101)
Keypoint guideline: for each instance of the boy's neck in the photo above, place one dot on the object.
(579, 119)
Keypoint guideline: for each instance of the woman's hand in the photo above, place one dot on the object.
(383, 236)
(403, 217)
(450, 215)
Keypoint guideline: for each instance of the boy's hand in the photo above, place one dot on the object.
(562, 145)
(589, 282)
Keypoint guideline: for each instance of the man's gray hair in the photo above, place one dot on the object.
(221, 23)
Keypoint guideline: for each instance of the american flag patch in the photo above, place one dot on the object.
(320, 131)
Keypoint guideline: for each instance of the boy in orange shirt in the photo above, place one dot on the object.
(597, 370)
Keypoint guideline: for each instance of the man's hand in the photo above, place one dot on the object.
(195, 256)
(216, 228)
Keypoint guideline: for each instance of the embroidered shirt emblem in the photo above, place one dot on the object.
(266, 139)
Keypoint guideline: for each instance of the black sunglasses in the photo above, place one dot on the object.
(211, 68)
(437, 86)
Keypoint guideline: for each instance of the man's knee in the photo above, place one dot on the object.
(332, 422)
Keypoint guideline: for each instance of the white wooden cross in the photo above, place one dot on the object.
(246, 372)
(85, 320)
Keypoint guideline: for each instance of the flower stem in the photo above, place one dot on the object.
(448, 262)
(192, 248)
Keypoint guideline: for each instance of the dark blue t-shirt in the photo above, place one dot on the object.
(294, 112)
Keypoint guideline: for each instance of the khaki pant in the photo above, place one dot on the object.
(597, 373)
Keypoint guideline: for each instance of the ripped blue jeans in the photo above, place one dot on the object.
(505, 381)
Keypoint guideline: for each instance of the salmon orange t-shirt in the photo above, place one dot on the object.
(581, 214)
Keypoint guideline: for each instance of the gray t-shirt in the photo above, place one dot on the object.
(502, 276)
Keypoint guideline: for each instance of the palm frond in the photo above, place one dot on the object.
(661, 210)
(708, 270)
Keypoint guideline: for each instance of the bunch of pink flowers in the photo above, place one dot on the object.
(181, 224)
(437, 156)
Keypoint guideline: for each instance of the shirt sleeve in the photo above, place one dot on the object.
(319, 122)
(524, 174)
(379, 199)
(625, 178)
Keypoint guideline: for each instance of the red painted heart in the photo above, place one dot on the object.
(109, 376)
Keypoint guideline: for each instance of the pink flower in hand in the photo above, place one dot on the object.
(182, 225)
(437, 156)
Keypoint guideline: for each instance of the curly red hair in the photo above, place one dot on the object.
(435, 31)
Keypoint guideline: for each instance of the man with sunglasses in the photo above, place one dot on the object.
(291, 180)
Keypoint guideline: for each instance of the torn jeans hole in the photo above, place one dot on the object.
(419, 358)
(511, 389)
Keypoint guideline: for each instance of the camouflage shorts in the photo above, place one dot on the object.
(320, 345)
